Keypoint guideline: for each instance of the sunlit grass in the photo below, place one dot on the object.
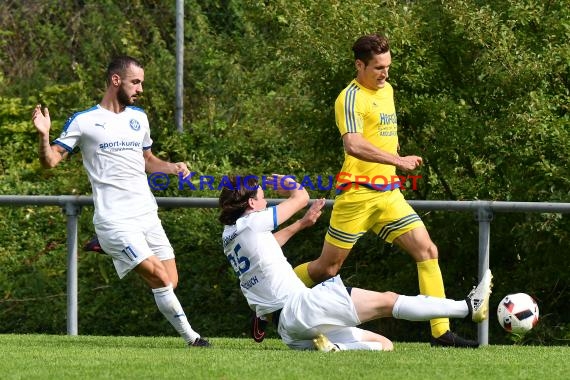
(95, 357)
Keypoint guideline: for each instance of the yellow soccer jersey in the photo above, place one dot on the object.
(372, 113)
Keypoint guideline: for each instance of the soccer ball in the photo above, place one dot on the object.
(517, 313)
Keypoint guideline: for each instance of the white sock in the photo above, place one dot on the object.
(170, 307)
(371, 346)
(424, 308)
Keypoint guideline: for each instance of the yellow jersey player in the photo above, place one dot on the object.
(368, 189)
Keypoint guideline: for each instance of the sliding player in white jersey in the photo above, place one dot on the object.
(325, 316)
(114, 138)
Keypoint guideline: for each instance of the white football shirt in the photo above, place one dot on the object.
(112, 151)
(266, 277)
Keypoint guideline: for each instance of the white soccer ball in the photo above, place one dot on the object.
(517, 313)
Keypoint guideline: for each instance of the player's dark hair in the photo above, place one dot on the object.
(234, 198)
(367, 46)
(119, 65)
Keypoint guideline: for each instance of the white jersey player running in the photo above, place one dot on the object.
(325, 316)
(114, 138)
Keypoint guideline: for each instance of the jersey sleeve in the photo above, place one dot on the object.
(147, 140)
(348, 112)
(262, 221)
(69, 137)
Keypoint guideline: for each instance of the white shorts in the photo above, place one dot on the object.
(132, 241)
(326, 308)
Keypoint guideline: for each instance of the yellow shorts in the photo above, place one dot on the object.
(386, 213)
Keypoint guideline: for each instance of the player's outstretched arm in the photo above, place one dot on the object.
(309, 219)
(50, 155)
(153, 164)
(357, 146)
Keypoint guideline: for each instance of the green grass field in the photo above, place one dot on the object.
(94, 357)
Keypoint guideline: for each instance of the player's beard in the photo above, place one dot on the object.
(123, 98)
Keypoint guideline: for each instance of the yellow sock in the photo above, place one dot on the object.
(302, 272)
(431, 284)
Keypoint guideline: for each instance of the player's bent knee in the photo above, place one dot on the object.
(155, 282)
(432, 251)
(332, 270)
(387, 303)
(391, 297)
(173, 279)
(154, 275)
(320, 271)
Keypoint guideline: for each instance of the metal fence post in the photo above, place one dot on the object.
(179, 65)
(484, 216)
(72, 212)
